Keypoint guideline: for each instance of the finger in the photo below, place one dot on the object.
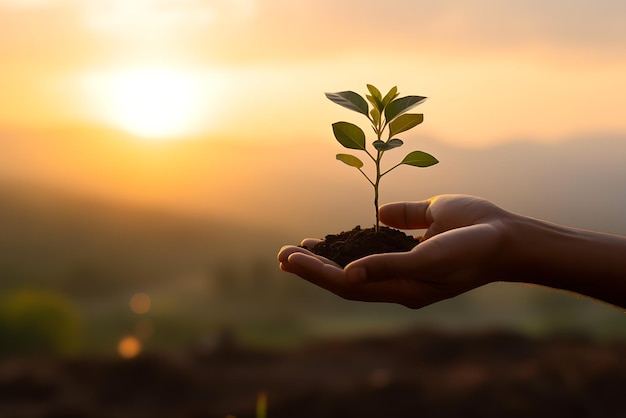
(309, 243)
(287, 250)
(405, 215)
(306, 244)
(381, 267)
(314, 269)
(332, 278)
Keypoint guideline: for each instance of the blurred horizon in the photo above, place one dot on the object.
(209, 178)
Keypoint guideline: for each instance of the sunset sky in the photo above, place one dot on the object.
(494, 71)
(255, 71)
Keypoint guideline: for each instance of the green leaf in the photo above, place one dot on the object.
(401, 105)
(349, 135)
(351, 160)
(395, 143)
(374, 92)
(419, 159)
(404, 123)
(393, 93)
(375, 114)
(380, 145)
(349, 100)
(375, 102)
(386, 146)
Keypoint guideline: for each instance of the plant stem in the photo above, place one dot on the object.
(379, 155)
(378, 176)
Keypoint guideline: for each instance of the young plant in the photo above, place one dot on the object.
(388, 113)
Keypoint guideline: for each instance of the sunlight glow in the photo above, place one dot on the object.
(143, 16)
(153, 103)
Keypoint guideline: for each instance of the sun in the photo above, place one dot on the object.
(152, 103)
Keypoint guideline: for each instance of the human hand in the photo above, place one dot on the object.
(461, 249)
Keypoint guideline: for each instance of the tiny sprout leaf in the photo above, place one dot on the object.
(386, 146)
(351, 160)
(419, 159)
(404, 123)
(393, 93)
(401, 105)
(375, 102)
(350, 100)
(395, 143)
(375, 92)
(380, 145)
(349, 135)
(375, 114)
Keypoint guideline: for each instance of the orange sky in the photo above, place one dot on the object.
(255, 71)
(494, 72)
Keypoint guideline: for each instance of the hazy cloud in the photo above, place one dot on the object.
(252, 30)
(120, 15)
(325, 28)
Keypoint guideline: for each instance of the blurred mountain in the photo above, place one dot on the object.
(578, 182)
(297, 186)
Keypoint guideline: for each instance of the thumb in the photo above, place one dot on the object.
(406, 215)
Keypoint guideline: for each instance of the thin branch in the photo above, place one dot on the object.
(368, 179)
(395, 166)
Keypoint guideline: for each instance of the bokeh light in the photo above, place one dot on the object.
(129, 347)
(140, 303)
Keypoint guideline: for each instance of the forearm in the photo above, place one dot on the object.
(585, 262)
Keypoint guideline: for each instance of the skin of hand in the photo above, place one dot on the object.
(469, 242)
(461, 249)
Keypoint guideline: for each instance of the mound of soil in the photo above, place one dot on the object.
(347, 246)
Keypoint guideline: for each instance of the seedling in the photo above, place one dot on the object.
(388, 114)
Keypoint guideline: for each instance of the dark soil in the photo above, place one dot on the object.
(423, 373)
(345, 247)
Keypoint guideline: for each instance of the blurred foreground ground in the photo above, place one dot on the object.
(418, 373)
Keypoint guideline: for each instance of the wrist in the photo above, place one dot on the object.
(534, 249)
(584, 262)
